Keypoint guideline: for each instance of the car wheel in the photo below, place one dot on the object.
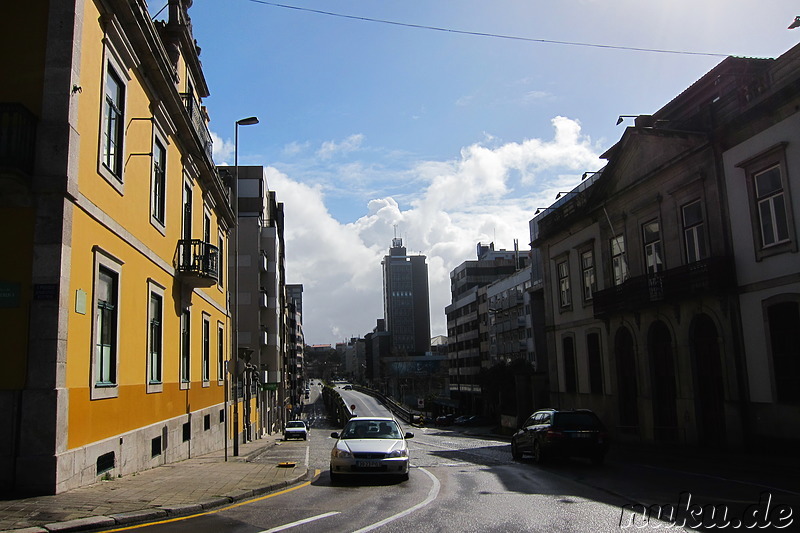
(538, 453)
(335, 478)
(404, 477)
(516, 454)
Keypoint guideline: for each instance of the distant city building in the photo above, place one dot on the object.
(406, 301)
(467, 320)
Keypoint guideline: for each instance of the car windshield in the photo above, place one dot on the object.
(295, 425)
(371, 429)
(576, 421)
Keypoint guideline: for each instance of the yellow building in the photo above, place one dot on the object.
(113, 293)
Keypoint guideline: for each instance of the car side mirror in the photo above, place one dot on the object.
(409, 435)
(334, 435)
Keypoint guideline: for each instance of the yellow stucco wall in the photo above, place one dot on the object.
(119, 224)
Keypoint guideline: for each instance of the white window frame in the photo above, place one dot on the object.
(120, 58)
(110, 389)
(158, 202)
(205, 334)
(221, 344)
(564, 295)
(185, 353)
(774, 157)
(158, 290)
(694, 234)
(619, 263)
(588, 276)
(653, 248)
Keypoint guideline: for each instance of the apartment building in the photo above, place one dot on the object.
(116, 301)
(671, 275)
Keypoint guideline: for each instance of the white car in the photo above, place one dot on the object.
(295, 429)
(370, 445)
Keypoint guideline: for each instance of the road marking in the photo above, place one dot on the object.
(247, 502)
(432, 494)
(299, 522)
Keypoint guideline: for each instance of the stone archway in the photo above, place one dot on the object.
(664, 389)
(627, 386)
(709, 392)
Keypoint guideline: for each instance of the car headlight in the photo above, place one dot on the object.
(402, 452)
(341, 454)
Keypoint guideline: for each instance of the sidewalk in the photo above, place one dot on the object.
(168, 491)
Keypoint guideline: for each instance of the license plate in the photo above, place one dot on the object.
(368, 464)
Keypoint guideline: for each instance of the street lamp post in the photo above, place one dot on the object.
(235, 344)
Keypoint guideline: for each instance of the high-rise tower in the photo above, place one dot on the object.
(406, 304)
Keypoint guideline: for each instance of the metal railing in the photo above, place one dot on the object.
(199, 122)
(709, 276)
(198, 258)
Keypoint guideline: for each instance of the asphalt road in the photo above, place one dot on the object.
(468, 483)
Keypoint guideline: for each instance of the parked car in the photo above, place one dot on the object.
(461, 420)
(295, 429)
(445, 420)
(370, 445)
(561, 432)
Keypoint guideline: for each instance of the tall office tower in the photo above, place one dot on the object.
(406, 304)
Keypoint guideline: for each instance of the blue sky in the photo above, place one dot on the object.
(453, 139)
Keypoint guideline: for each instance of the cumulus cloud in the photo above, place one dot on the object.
(222, 150)
(483, 195)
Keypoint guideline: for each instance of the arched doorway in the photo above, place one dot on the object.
(664, 390)
(627, 388)
(709, 392)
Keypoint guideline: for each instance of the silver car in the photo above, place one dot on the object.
(295, 429)
(370, 445)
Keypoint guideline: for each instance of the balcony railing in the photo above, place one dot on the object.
(709, 276)
(17, 138)
(199, 122)
(198, 262)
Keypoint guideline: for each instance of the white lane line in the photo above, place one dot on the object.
(299, 522)
(432, 494)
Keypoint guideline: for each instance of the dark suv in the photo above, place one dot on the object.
(561, 432)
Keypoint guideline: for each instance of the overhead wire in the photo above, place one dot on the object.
(487, 34)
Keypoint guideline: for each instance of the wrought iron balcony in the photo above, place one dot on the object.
(17, 138)
(709, 276)
(198, 262)
(199, 122)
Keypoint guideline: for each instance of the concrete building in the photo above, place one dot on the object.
(468, 326)
(263, 319)
(117, 334)
(296, 340)
(406, 302)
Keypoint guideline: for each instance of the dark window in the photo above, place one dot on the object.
(106, 327)
(206, 422)
(784, 333)
(114, 123)
(155, 447)
(187, 431)
(595, 363)
(570, 370)
(156, 311)
(105, 462)
(159, 181)
(694, 232)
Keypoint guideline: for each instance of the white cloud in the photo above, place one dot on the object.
(331, 148)
(222, 150)
(486, 194)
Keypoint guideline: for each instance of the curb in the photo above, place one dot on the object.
(145, 515)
